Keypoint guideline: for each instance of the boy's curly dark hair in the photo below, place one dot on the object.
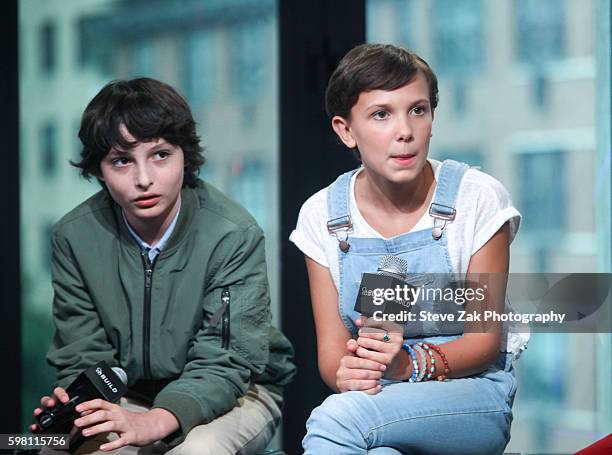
(149, 109)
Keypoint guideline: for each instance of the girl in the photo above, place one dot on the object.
(440, 218)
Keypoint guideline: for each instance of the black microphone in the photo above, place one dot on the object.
(98, 381)
(378, 291)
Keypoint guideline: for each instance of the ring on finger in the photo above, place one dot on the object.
(386, 337)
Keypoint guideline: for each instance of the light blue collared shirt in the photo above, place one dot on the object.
(153, 252)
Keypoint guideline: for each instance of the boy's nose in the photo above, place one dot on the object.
(143, 177)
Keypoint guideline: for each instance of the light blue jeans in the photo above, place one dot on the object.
(469, 416)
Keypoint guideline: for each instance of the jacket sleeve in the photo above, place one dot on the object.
(215, 376)
(80, 340)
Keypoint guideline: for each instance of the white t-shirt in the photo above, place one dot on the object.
(483, 206)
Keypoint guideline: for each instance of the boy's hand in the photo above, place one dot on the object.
(46, 402)
(372, 346)
(356, 373)
(133, 428)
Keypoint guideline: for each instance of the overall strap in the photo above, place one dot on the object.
(442, 209)
(339, 221)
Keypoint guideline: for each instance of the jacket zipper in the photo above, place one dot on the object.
(225, 327)
(146, 320)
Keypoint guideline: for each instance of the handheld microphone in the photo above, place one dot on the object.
(98, 381)
(393, 266)
(375, 288)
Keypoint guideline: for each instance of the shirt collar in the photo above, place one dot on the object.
(159, 246)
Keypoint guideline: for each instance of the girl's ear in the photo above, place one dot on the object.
(342, 128)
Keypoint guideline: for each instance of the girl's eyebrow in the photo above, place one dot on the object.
(378, 106)
(420, 101)
(387, 106)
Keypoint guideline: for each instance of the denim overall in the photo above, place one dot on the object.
(425, 417)
(428, 259)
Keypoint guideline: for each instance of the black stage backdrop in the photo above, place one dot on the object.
(314, 35)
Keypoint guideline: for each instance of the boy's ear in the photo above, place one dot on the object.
(342, 128)
(98, 174)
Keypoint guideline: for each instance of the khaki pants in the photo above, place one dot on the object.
(246, 429)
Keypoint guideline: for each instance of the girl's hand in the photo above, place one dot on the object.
(372, 346)
(356, 373)
(133, 428)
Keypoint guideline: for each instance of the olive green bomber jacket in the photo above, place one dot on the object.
(167, 323)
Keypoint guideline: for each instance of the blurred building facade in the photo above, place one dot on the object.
(522, 96)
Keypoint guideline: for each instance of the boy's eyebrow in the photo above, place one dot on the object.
(161, 144)
(120, 152)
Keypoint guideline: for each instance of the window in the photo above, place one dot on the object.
(542, 193)
(390, 22)
(540, 38)
(539, 30)
(547, 382)
(248, 56)
(49, 149)
(84, 43)
(458, 36)
(200, 69)
(90, 50)
(143, 63)
(543, 202)
(47, 47)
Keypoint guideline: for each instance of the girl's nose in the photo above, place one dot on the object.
(404, 131)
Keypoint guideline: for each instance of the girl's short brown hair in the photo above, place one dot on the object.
(374, 67)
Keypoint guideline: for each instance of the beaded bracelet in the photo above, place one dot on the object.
(423, 368)
(415, 363)
(432, 360)
(442, 377)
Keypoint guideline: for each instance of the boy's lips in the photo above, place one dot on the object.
(147, 200)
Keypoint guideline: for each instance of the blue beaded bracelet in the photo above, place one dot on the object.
(415, 363)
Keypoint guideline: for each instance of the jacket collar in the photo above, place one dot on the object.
(189, 205)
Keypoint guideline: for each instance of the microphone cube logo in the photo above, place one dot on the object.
(106, 381)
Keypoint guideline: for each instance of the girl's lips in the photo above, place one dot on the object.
(403, 159)
(149, 202)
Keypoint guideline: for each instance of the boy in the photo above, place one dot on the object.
(162, 275)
